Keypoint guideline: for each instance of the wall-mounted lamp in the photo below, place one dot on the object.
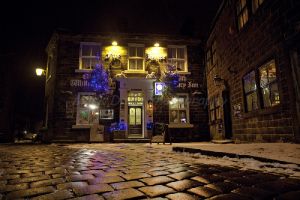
(114, 43)
(218, 80)
(40, 71)
(156, 44)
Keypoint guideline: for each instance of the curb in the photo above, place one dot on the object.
(230, 155)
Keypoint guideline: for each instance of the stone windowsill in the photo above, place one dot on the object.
(183, 125)
(81, 126)
(135, 72)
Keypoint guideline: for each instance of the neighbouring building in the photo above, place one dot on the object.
(253, 72)
(136, 98)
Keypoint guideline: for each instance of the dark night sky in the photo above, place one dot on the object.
(26, 28)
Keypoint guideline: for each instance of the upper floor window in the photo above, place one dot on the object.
(242, 13)
(211, 56)
(256, 4)
(136, 57)
(268, 84)
(178, 109)
(89, 55)
(177, 56)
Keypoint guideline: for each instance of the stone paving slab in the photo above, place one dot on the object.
(128, 171)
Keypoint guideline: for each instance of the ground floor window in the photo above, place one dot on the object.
(87, 109)
(267, 95)
(179, 109)
(214, 108)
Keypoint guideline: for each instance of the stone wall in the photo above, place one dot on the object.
(238, 52)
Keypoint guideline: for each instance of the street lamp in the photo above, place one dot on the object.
(40, 71)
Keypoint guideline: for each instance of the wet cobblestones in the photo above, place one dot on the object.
(127, 172)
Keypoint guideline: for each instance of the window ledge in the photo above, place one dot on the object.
(81, 126)
(184, 73)
(135, 72)
(183, 125)
(83, 70)
(265, 111)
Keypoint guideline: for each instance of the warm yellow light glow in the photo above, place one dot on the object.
(114, 43)
(156, 44)
(93, 106)
(39, 71)
(173, 101)
(156, 52)
(114, 50)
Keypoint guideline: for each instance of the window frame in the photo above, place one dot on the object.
(259, 92)
(245, 94)
(89, 57)
(259, 3)
(79, 94)
(215, 108)
(187, 109)
(240, 11)
(136, 58)
(185, 59)
(211, 60)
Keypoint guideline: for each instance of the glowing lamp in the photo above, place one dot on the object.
(156, 44)
(39, 71)
(159, 86)
(92, 106)
(114, 43)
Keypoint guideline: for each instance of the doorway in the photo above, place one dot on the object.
(227, 114)
(135, 114)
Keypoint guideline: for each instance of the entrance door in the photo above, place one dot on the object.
(135, 118)
(227, 114)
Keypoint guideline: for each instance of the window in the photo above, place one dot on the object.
(177, 57)
(250, 90)
(211, 56)
(215, 108)
(178, 109)
(242, 13)
(267, 93)
(106, 114)
(256, 4)
(268, 84)
(90, 54)
(136, 57)
(87, 109)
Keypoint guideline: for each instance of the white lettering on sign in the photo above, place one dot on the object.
(184, 83)
(79, 83)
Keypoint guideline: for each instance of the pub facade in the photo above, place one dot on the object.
(252, 67)
(136, 93)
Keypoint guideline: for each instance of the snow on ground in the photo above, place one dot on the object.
(278, 151)
(291, 170)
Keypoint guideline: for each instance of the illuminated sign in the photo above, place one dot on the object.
(159, 86)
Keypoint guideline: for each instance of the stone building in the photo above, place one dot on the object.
(137, 96)
(253, 72)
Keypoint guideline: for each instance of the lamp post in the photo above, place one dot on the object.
(40, 72)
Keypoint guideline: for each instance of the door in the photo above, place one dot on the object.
(227, 114)
(135, 119)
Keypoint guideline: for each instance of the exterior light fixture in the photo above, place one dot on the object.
(156, 44)
(92, 106)
(114, 43)
(218, 80)
(159, 86)
(40, 71)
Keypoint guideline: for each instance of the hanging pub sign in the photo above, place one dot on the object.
(184, 83)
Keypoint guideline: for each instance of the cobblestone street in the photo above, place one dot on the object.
(128, 171)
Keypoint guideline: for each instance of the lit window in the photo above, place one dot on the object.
(242, 13)
(90, 54)
(177, 57)
(178, 109)
(268, 84)
(87, 109)
(136, 57)
(256, 4)
(250, 90)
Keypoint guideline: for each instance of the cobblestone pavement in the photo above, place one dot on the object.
(128, 171)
